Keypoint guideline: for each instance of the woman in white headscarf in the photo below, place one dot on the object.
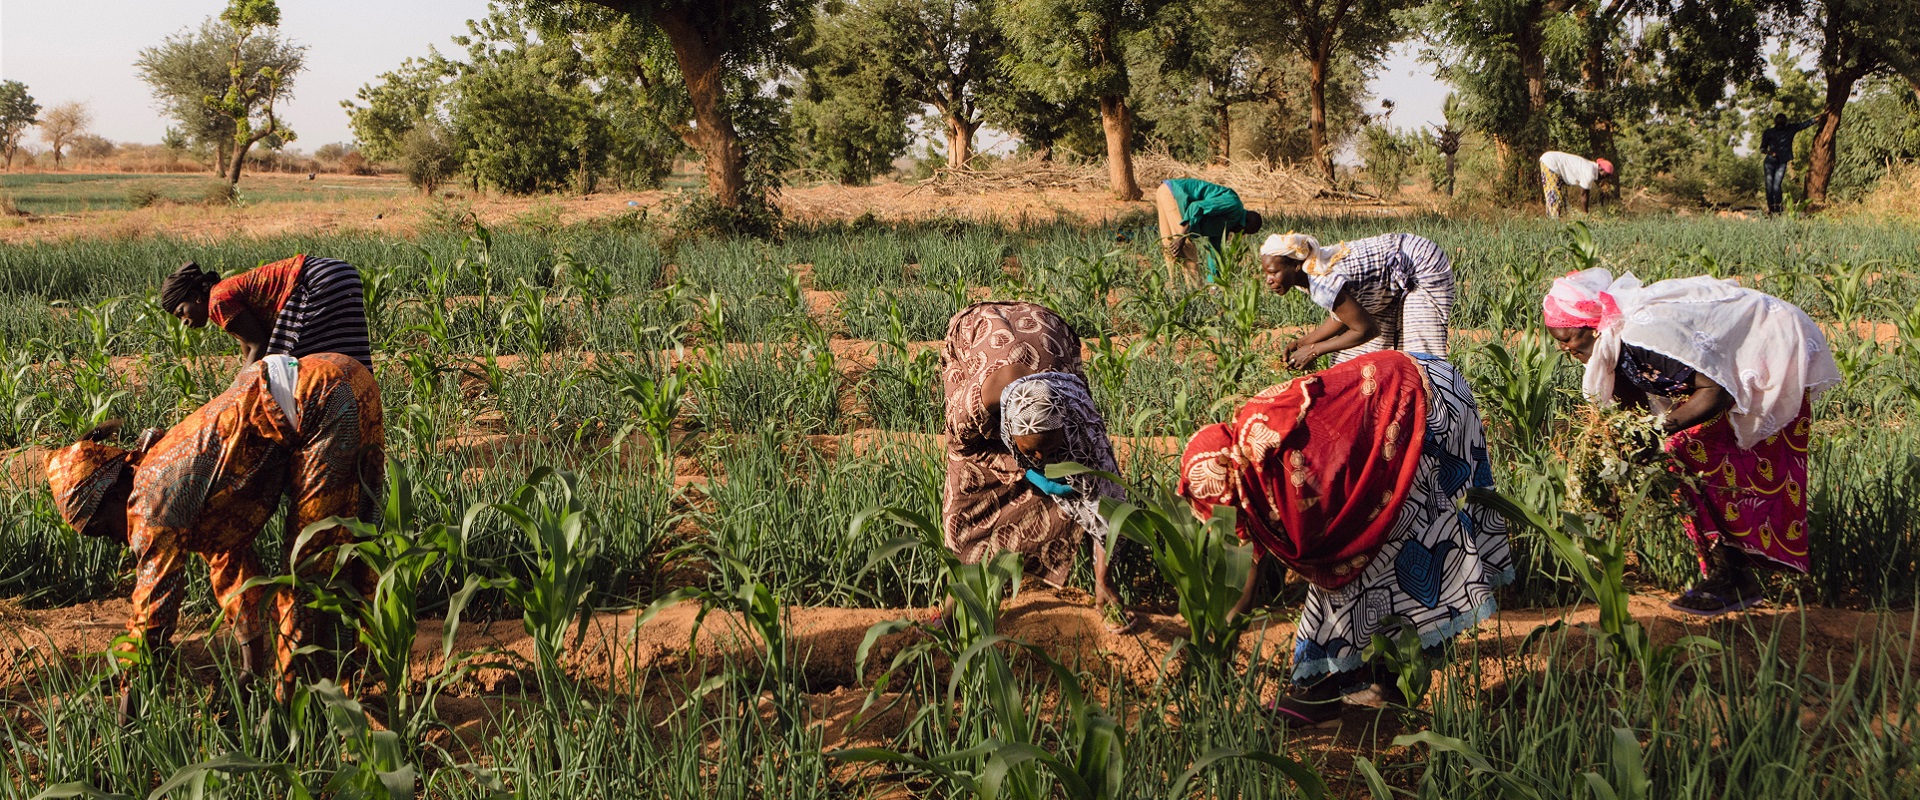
(1732, 372)
(1390, 292)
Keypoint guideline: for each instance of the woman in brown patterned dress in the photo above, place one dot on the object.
(308, 428)
(997, 498)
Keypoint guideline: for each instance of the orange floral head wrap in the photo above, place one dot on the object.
(81, 474)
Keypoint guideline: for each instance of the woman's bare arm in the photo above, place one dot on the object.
(252, 335)
(1324, 331)
(1708, 399)
(1360, 329)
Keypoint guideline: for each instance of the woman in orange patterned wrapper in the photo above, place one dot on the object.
(306, 428)
(1356, 477)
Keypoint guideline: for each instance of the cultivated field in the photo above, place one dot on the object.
(731, 410)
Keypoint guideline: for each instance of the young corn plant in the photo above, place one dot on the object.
(1089, 759)
(401, 554)
(563, 545)
(1523, 391)
(1599, 563)
(527, 311)
(1205, 562)
(656, 391)
(765, 614)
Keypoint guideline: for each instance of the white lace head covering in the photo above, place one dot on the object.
(1042, 402)
(1764, 351)
(1315, 259)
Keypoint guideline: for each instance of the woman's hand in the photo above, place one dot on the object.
(1304, 357)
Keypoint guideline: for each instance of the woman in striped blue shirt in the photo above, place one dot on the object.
(300, 306)
(1390, 292)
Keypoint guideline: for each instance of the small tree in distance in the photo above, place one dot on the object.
(61, 125)
(18, 112)
(428, 157)
(252, 89)
(190, 72)
(1065, 50)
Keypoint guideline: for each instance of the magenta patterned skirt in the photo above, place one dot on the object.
(1753, 499)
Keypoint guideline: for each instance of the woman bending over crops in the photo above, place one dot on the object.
(1356, 477)
(1391, 292)
(1017, 402)
(309, 428)
(1732, 372)
(1190, 209)
(297, 306)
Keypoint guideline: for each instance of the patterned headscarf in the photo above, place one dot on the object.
(1061, 401)
(1315, 259)
(1580, 300)
(80, 475)
(1318, 467)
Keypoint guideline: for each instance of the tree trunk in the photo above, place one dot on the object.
(1826, 136)
(240, 148)
(960, 140)
(1117, 120)
(1521, 153)
(1593, 71)
(1317, 114)
(1223, 139)
(220, 158)
(722, 156)
(233, 167)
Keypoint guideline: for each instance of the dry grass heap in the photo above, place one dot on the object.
(1252, 179)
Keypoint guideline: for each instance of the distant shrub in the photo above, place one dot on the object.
(698, 214)
(87, 145)
(331, 153)
(218, 194)
(355, 164)
(143, 194)
(428, 157)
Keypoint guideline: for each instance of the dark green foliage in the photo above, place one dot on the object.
(18, 111)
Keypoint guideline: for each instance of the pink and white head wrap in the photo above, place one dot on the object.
(1581, 300)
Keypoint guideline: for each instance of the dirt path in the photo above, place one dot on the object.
(1062, 621)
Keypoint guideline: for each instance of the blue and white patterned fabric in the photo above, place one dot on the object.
(1444, 558)
(1404, 281)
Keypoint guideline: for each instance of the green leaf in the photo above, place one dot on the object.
(1304, 778)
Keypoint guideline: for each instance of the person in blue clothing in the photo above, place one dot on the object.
(1191, 208)
(1776, 143)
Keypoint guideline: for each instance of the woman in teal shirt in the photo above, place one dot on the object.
(1190, 207)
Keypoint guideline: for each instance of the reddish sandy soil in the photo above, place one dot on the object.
(1062, 621)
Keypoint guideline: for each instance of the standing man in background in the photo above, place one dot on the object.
(1776, 143)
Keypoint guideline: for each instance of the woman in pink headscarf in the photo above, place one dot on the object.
(1732, 372)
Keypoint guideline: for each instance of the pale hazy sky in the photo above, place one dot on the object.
(84, 50)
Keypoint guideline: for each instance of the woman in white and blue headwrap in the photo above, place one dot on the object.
(1048, 418)
(1015, 402)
